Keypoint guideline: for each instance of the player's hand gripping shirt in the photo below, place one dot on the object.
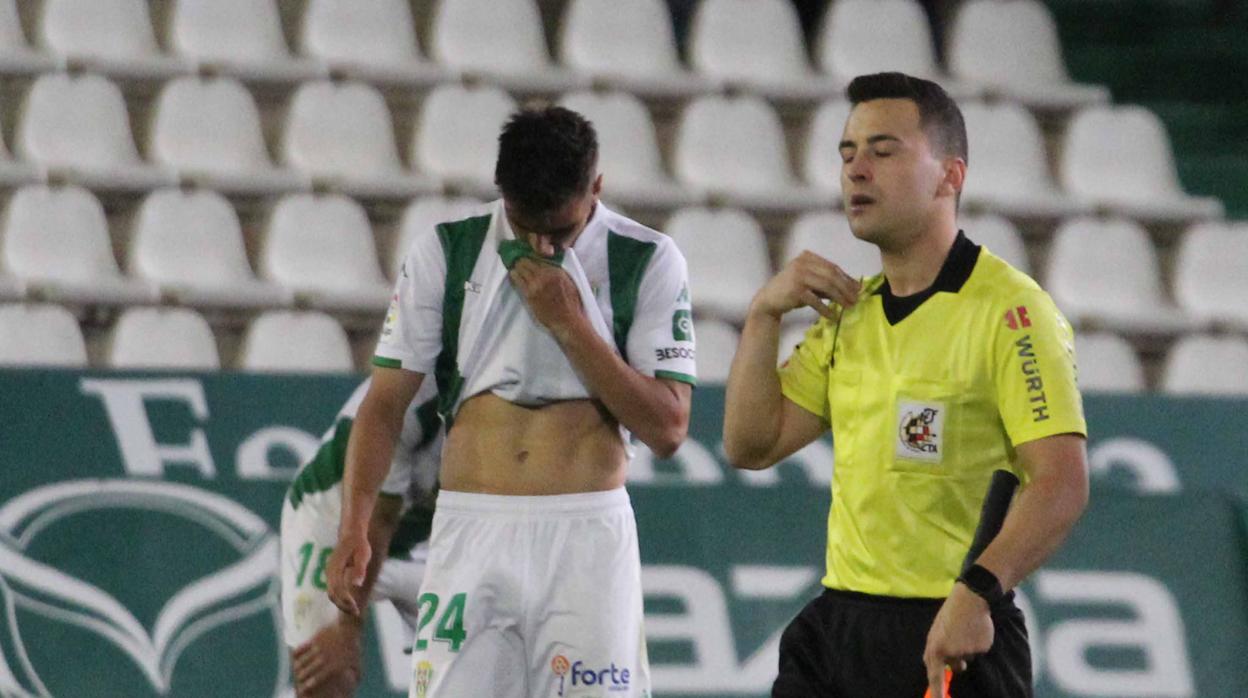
(923, 407)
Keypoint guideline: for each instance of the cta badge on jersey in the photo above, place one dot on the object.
(920, 426)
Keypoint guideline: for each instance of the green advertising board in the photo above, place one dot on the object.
(139, 517)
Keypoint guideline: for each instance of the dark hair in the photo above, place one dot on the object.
(939, 116)
(546, 156)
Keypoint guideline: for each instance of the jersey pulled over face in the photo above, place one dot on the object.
(926, 397)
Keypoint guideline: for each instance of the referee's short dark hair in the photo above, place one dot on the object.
(546, 156)
(939, 116)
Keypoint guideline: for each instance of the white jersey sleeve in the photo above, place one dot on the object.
(661, 342)
(411, 337)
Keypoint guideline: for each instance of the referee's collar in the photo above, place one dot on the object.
(952, 276)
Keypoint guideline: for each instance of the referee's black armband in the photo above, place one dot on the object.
(984, 583)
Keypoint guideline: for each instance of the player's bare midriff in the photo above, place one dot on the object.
(498, 447)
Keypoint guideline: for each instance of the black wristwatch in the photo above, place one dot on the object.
(984, 583)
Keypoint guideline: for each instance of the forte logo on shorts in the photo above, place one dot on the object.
(575, 677)
(919, 430)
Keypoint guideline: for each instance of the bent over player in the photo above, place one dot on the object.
(324, 641)
(553, 327)
(934, 374)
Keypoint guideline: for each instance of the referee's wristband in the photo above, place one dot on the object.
(984, 583)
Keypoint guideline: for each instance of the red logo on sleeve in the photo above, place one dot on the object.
(1017, 318)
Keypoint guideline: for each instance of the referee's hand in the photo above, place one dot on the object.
(807, 280)
(962, 629)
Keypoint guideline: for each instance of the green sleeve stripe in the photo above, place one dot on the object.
(387, 363)
(627, 259)
(673, 375)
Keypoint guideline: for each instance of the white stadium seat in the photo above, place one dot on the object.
(77, 126)
(282, 341)
(341, 134)
(107, 36)
(727, 257)
(628, 151)
(56, 240)
(322, 249)
(1211, 273)
(757, 45)
(858, 37)
(1207, 365)
(189, 245)
(242, 38)
(821, 159)
(457, 136)
(16, 55)
(373, 41)
(11, 287)
(1106, 273)
(628, 45)
(208, 129)
(1000, 237)
(501, 41)
(827, 234)
(1008, 169)
(14, 173)
(1011, 47)
(717, 344)
(163, 338)
(1120, 158)
(733, 148)
(40, 335)
(1107, 363)
(425, 213)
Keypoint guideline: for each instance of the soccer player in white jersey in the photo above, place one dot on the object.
(553, 327)
(325, 642)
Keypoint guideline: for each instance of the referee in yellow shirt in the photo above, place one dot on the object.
(944, 368)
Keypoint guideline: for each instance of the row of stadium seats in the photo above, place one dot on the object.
(1009, 48)
(319, 250)
(1101, 272)
(174, 339)
(285, 341)
(733, 150)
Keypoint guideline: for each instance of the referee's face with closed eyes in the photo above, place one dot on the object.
(893, 184)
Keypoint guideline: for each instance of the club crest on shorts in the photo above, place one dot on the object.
(920, 428)
(424, 676)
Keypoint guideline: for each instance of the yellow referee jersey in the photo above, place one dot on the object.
(926, 396)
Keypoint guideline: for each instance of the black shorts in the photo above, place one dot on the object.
(850, 645)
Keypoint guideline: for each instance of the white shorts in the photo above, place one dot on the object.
(309, 535)
(532, 596)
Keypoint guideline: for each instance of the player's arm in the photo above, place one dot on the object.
(378, 423)
(761, 426)
(655, 408)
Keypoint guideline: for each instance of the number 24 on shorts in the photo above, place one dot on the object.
(450, 625)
